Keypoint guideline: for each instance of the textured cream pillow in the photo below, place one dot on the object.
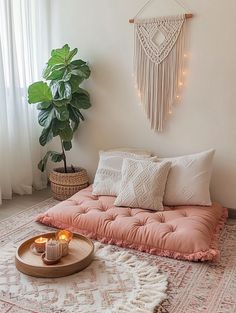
(143, 184)
(108, 176)
(189, 179)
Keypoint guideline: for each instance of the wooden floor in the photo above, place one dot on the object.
(20, 203)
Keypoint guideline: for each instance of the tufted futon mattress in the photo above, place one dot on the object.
(182, 232)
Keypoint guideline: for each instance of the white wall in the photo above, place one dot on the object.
(206, 116)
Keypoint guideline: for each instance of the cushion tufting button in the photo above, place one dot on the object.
(171, 229)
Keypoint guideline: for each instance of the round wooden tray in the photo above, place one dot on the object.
(80, 255)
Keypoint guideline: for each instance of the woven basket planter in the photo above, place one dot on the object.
(64, 185)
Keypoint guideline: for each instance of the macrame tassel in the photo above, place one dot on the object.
(159, 67)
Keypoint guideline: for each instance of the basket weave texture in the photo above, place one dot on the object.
(64, 185)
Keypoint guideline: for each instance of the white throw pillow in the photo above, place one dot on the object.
(189, 179)
(143, 184)
(131, 150)
(108, 176)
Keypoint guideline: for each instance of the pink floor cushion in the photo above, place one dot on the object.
(182, 232)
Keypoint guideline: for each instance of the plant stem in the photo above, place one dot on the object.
(64, 156)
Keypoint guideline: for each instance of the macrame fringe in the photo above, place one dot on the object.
(159, 69)
(152, 284)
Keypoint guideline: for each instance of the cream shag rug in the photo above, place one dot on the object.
(117, 281)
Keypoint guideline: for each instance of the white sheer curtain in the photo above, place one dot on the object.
(23, 53)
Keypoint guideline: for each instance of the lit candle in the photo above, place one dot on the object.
(64, 247)
(53, 250)
(64, 235)
(40, 244)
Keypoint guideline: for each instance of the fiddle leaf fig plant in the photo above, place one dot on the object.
(60, 100)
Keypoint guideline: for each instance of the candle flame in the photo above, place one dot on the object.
(63, 237)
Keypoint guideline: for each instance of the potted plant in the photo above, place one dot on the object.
(60, 100)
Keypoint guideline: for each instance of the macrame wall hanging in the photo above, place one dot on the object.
(159, 64)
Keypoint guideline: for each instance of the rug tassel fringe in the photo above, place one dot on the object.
(153, 289)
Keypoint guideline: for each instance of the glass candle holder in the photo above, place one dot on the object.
(64, 247)
(64, 235)
(40, 244)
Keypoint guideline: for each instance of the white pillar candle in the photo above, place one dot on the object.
(53, 250)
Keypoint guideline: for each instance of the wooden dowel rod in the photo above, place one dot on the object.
(188, 15)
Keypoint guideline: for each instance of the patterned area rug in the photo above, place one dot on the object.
(192, 288)
(116, 281)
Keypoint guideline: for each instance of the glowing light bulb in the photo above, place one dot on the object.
(177, 96)
(185, 55)
(139, 94)
(184, 73)
(180, 84)
(170, 112)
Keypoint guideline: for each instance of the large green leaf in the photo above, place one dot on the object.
(54, 72)
(61, 102)
(80, 101)
(64, 90)
(75, 82)
(67, 145)
(55, 156)
(73, 113)
(43, 162)
(62, 56)
(62, 113)
(67, 74)
(75, 125)
(45, 117)
(57, 126)
(39, 92)
(54, 85)
(75, 118)
(46, 136)
(43, 105)
(80, 68)
(72, 54)
(72, 116)
(83, 91)
(78, 63)
(66, 134)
